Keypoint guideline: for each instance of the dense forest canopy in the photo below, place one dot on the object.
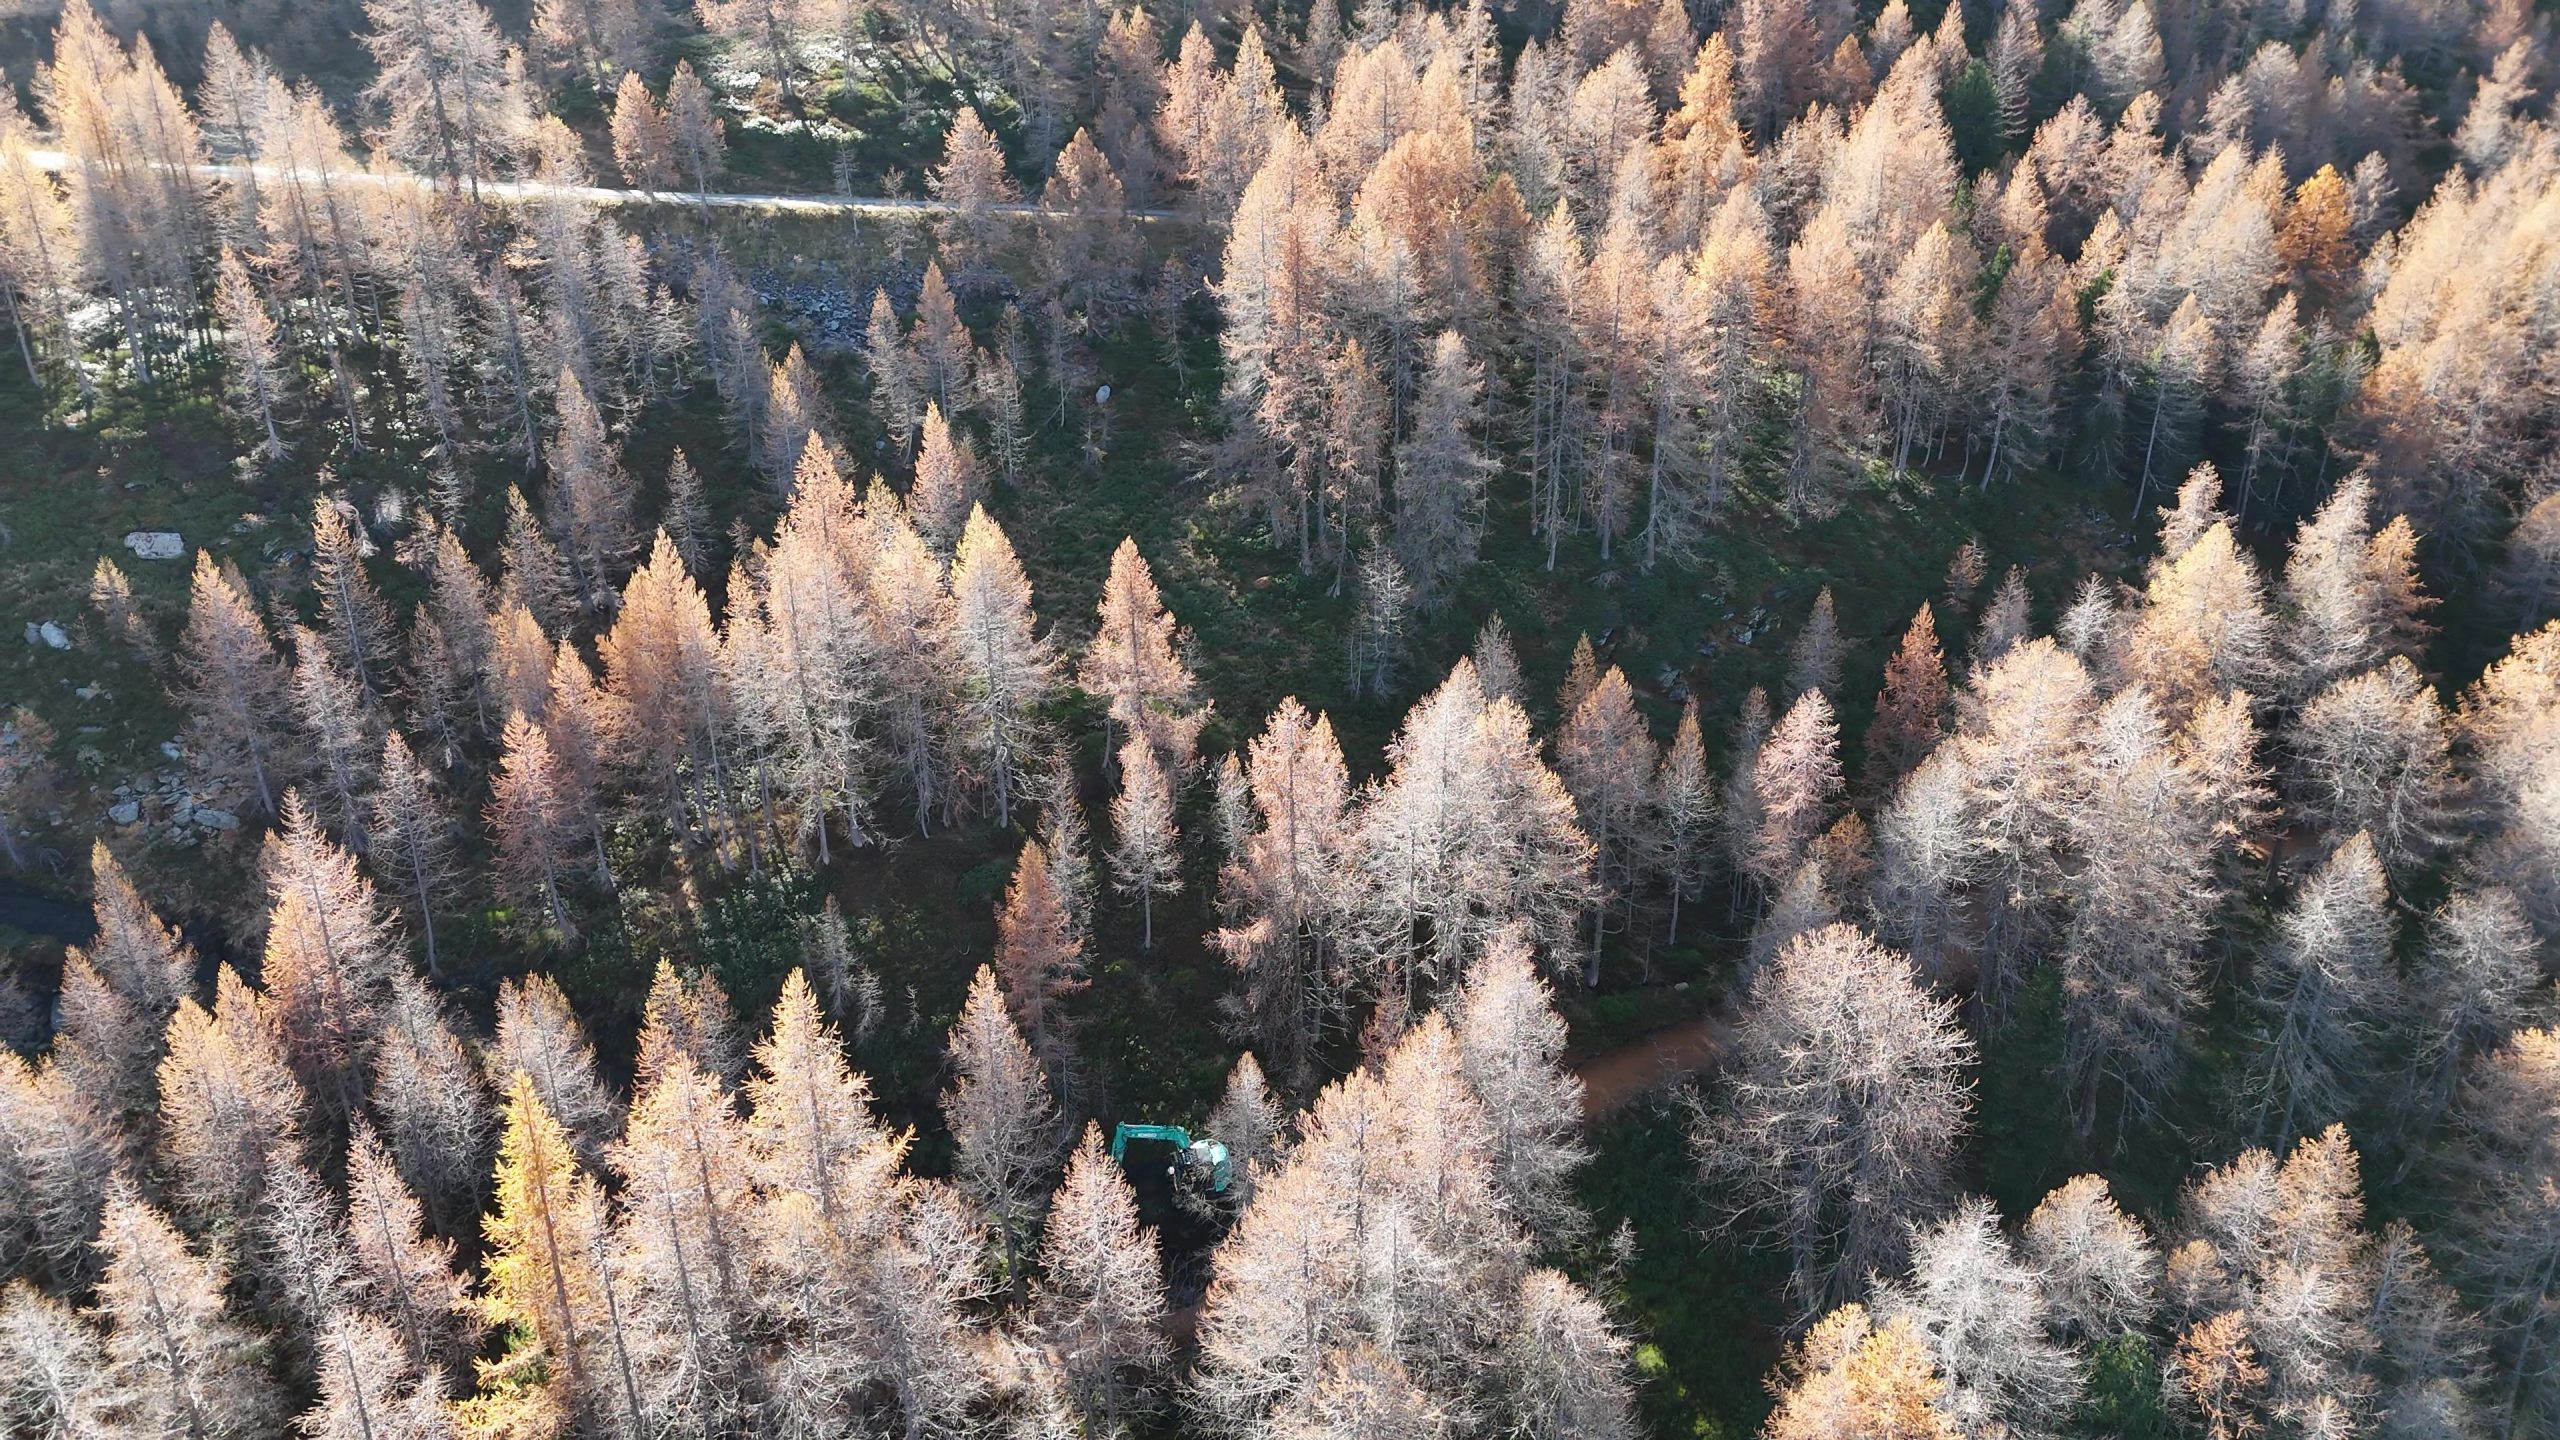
(1789, 718)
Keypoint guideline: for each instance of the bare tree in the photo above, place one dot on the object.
(1441, 471)
(175, 1363)
(2473, 985)
(370, 1388)
(233, 687)
(1379, 1227)
(1145, 858)
(819, 1155)
(2293, 1313)
(455, 109)
(1376, 644)
(594, 37)
(1813, 661)
(2507, 1228)
(331, 954)
(2006, 622)
(1467, 832)
(1979, 1310)
(2349, 593)
(536, 820)
(1685, 816)
(700, 147)
(1511, 1045)
(339, 734)
(2323, 988)
(1795, 788)
(2507, 721)
(1846, 1103)
(2371, 757)
(687, 519)
(538, 1034)
(949, 483)
(53, 1360)
(910, 609)
(1249, 1120)
(1851, 1376)
(1004, 670)
(257, 373)
(684, 1250)
(433, 1103)
(1606, 758)
(1282, 885)
(1101, 1297)
(2532, 572)
(2096, 1266)
(1564, 1362)
(1004, 1122)
(61, 1150)
(118, 993)
(1135, 663)
(40, 255)
(2141, 889)
(588, 499)
(2204, 626)
(802, 665)
(231, 1110)
(412, 837)
(687, 1017)
(2021, 739)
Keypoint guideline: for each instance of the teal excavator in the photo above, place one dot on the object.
(1166, 1166)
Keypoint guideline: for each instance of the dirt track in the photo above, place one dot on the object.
(512, 190)
(1656, 1062)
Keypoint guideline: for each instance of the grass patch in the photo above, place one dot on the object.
(1703, 1312)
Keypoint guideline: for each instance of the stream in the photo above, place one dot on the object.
(23, 909)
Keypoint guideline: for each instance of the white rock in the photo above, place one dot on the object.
(125, 812)
(53, 635)
(156, 544)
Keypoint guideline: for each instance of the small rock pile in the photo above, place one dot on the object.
(170, 808)
(823, 312)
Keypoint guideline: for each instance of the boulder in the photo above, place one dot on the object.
(125, 812)
(45, 632)
(156, 544)
(213, 819)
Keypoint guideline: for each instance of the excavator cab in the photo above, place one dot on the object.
(1170, 1171)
